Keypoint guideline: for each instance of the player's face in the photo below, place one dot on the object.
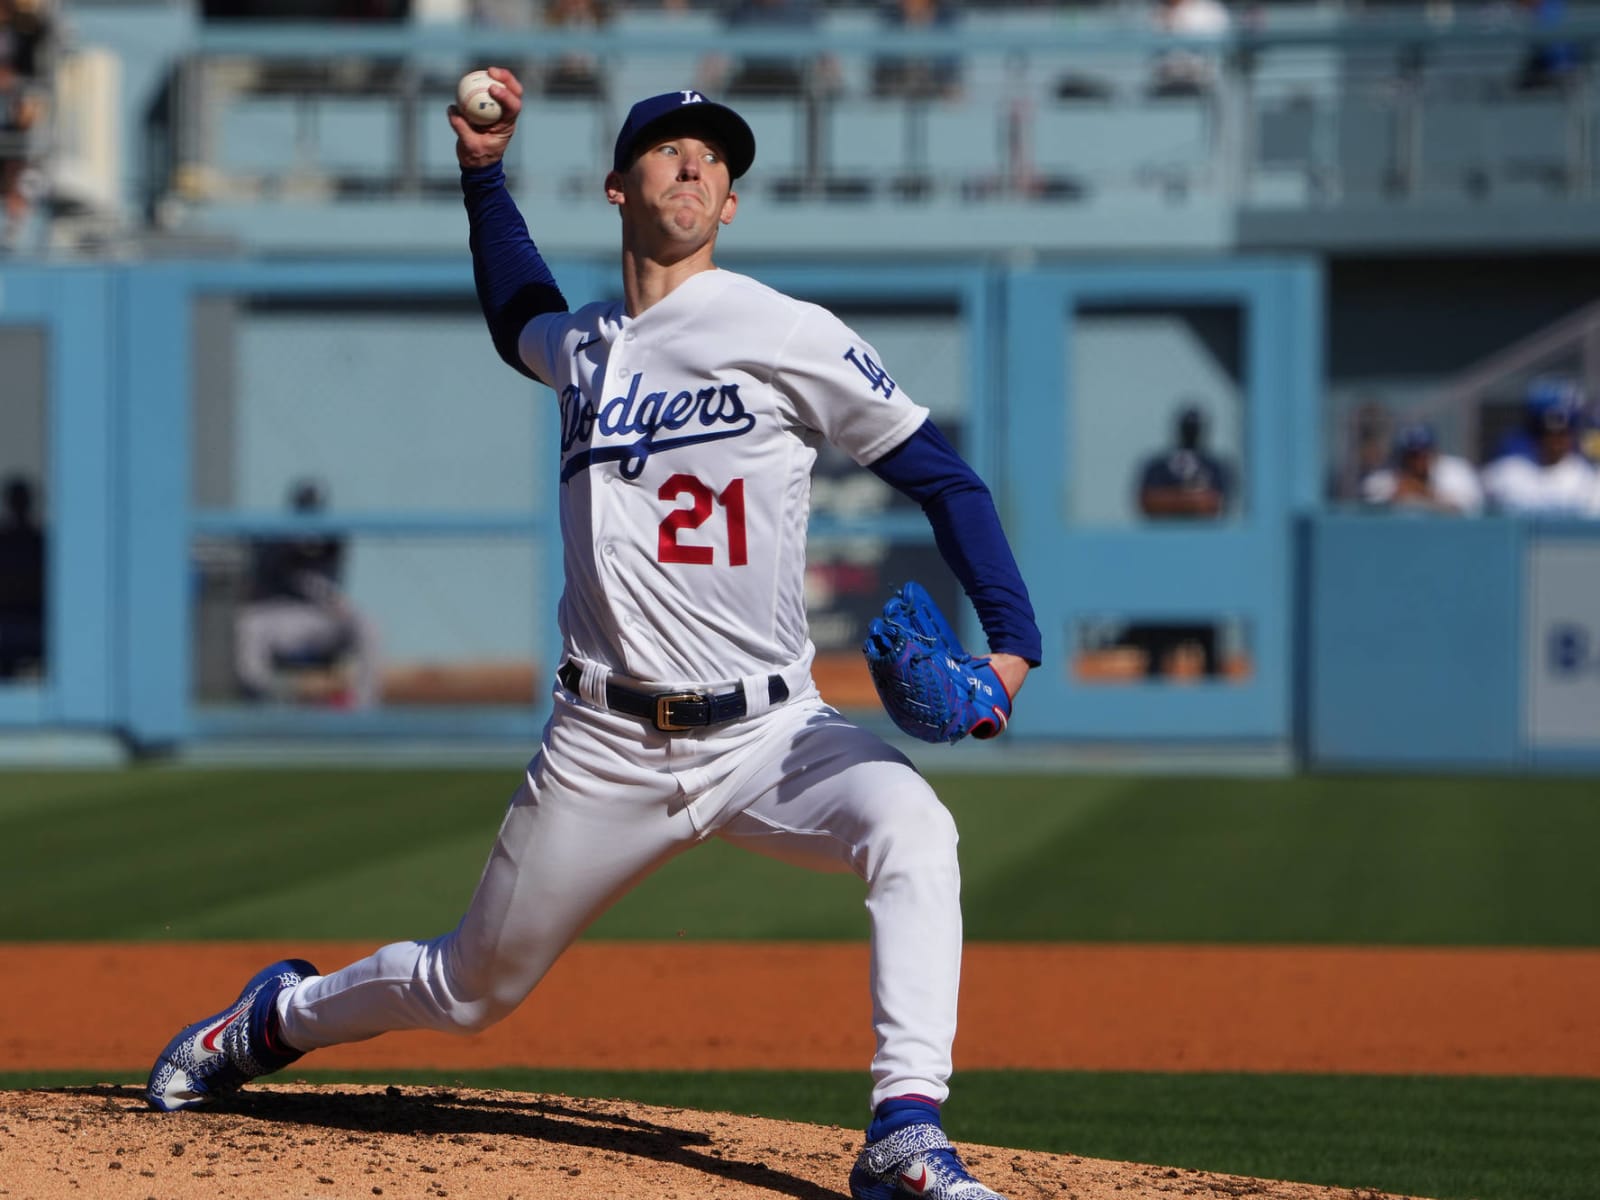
(678, 191)
(1417, 463)
(1555, 444)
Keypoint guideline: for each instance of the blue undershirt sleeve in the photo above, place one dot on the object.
(514, 283)
(966, 528)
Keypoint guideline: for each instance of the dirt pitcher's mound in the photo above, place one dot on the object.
(347, 1141)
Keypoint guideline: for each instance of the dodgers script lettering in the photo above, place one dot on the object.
(634, 427)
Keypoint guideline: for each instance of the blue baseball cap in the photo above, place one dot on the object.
(1547, 392)
(1558, 418)
(686, 112)
(1414, 438)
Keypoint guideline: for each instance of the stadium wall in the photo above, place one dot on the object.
(179, 398)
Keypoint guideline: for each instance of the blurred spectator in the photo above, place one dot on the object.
(1589, 436)
(1185, 482)
(1424, 480)
(504, 14)
(22, 583)
(575, 74)
(1544, 392)
(918, 78)
(1368, 452)
(1556, 480)
(1548, 64)
(306, 10)
(1188, 72)
(26, 43)
(765, 75)
(298, 616)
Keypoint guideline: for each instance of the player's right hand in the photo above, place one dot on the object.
(483, 145)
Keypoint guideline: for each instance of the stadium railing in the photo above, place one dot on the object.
(1054, 129)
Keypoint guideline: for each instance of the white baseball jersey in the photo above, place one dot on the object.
(688, 435)
(1517, 485)
(1452, 480)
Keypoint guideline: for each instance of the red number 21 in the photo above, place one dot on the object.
(669, 549)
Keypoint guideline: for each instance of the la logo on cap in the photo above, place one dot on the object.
(692, 97)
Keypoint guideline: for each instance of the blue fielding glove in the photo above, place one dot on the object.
(931, 688)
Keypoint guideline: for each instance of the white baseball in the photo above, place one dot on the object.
(474, 100)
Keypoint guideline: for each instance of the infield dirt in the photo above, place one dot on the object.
(699, 1006)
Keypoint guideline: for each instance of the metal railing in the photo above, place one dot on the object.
(1298, 118)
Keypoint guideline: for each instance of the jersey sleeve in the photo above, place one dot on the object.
(513, 281)
(839, 386)
(539, 345)
(966, 528)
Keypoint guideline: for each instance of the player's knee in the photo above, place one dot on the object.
(474, 993)
(477, 1015)
(920, 835)
(473, 1011)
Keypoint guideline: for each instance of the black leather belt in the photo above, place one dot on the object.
(673, 712)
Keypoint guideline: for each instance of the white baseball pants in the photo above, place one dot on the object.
(607, 800)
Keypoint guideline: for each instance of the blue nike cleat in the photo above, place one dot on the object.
(914, 1160)
(219, 1055)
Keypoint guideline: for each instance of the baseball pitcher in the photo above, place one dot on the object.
(690, 415)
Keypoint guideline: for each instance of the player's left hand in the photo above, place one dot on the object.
(483, 145)
(930, 686)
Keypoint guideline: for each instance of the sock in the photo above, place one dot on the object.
(272, 1036)
(901, 1111)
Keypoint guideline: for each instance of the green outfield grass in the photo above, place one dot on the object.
(180, 853)
(1455, 1139)
(368, 854)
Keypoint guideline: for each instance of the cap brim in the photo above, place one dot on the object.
(717, 122)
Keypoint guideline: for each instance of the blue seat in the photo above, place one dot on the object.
(1533, 144)
(259, 135)
(357, 137)
(780, 129)
(1366, 150)
(562, 146)
(961, 146)
(337, 138)
(865, 144)
(1117, 146)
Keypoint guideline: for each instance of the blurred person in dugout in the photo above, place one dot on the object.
(1423, 479)
(22, 583)
(26, 40)
(298, 617)
(1185, 482)
(1543, 473)
(1368, 451)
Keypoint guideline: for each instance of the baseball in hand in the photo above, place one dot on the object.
(474, 100)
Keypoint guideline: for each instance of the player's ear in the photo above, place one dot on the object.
(614, 187)
(730, 206)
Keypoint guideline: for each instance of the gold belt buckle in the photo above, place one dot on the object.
(662, 723)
